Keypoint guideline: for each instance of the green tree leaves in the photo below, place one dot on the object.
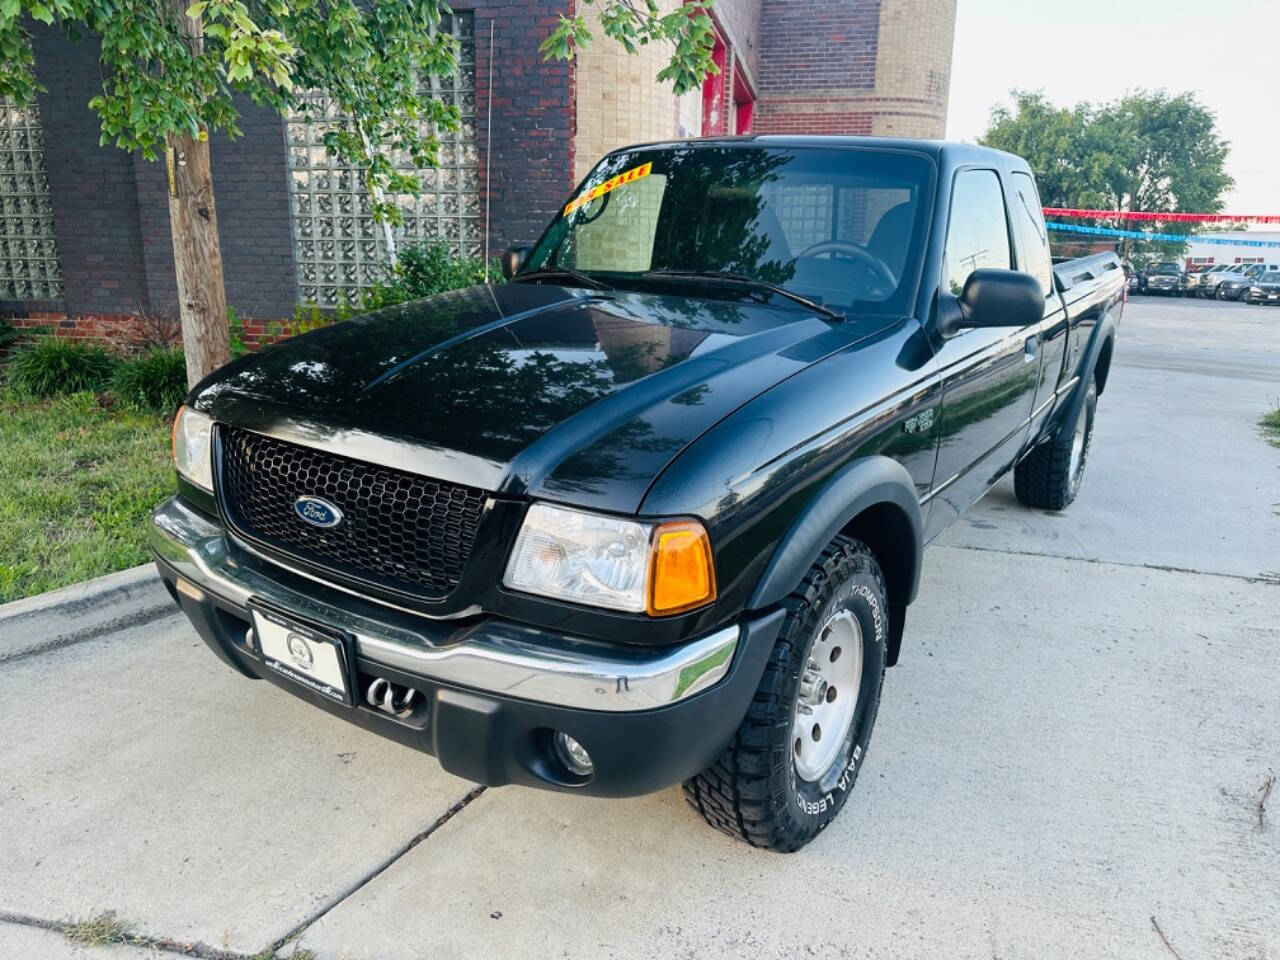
(635, 23)
(1147, 151)
(172, 67)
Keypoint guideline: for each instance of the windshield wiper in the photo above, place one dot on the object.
(741, 279)
(544, 273)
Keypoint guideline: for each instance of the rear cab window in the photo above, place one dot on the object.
(1033, 241)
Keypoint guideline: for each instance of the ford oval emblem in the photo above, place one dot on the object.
(317, 512)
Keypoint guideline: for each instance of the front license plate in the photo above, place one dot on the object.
(312, 656)
(1273, 296)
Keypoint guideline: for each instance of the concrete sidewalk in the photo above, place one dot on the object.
(1075, 742)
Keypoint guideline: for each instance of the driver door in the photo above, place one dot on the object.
(989, 375)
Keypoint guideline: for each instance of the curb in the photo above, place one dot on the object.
(81, 612)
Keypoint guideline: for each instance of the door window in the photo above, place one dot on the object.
(978, 234)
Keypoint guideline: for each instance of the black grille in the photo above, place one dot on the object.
(399, 527)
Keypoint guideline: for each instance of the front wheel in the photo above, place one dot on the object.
(1049, 476)
(796, 755)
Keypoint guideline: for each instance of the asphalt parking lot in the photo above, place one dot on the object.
(1076, 742)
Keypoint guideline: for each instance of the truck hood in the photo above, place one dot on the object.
(525, 389)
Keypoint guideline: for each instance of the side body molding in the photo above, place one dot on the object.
(876, 484)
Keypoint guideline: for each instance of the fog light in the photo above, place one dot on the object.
(573, 755)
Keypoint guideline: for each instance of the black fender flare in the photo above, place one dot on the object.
(857, 487)
(1103, 337)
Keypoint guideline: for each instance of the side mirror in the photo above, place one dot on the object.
(992, 298)
(513, 259)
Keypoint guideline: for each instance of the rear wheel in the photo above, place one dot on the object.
(796, 755)
(1049, 477)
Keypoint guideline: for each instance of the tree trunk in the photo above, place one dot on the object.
(197, 259)
(197, 252)
(388, 238)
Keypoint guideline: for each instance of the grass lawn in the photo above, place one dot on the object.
(1270, 424)
(77, 484)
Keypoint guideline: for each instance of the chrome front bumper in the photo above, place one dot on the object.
(497, 657)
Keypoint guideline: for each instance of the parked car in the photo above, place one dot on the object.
(1165, 279)
(1209, 279)
(1264, 289)
(1131, 279)
(1233, 286)
(654, 510)
(1191, 282)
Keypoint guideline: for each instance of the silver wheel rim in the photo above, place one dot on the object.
(1077, 442)
(828, 696)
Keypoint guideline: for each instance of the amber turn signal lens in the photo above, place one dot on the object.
(173, 434)
(682, 576)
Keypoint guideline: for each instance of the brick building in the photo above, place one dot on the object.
(84, 233)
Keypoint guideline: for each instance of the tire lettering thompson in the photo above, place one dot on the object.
(877, 617)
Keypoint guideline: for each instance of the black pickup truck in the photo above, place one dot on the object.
(653, 510)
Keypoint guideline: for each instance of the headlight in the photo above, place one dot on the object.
(192, 447)
(609, 562)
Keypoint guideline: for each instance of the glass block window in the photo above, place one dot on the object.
(28, 251)
(804, 211)
(338, 247)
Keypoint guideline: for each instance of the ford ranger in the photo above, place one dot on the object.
(653, 510)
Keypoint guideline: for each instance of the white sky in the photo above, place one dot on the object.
(1095, 50)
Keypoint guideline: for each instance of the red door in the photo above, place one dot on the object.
(744, 100)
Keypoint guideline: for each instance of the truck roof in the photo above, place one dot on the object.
(949, 150)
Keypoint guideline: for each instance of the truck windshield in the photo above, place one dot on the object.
(837, 227)
(1167, 269)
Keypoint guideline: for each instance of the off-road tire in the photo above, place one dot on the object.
(1044, 478)
(752, 791)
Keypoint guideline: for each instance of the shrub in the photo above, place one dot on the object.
(155, 328)
(155, 380)
(8, 335)
(52, 365)
(423, 269)
(309, 317)
(235, 327)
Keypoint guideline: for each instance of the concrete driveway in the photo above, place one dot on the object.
(1075, 743)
